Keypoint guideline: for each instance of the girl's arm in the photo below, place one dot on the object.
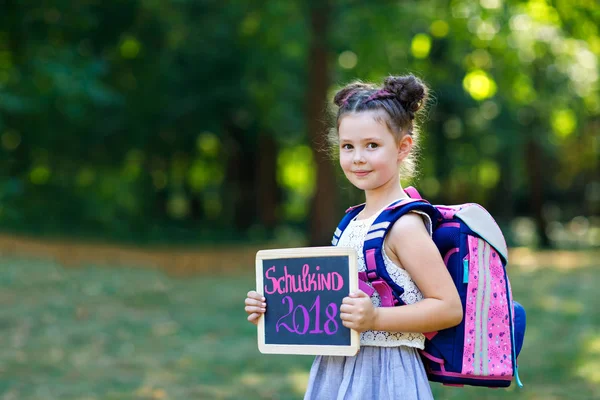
(410, 245)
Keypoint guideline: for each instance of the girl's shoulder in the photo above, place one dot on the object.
(411, 226)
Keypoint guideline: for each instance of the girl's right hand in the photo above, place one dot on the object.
(255, 306)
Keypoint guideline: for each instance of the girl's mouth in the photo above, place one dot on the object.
(361, 173)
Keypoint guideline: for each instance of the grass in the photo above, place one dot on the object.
(97, 332)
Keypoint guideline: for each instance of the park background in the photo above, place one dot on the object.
(149, 148)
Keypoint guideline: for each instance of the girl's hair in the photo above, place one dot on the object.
(395, 104)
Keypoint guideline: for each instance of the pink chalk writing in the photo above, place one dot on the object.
(306, 281)
(330, 327)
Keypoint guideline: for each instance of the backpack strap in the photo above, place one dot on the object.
(351, 213)
(412, 193)
(376, 272)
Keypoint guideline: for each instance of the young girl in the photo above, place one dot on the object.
(376, 138)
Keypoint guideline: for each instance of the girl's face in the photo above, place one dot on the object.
(370, 155)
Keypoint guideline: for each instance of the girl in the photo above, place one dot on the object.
(376, 138)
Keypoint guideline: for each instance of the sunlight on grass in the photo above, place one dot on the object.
(298, 380)
(589, 368)
(252, 379)
(133, 333)
(148, 392)
(529, 260)
(217, 391)
(590, 371)
(565, 306)
(594, 345)
(295, 381)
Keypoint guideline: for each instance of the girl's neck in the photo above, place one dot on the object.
(375, 200)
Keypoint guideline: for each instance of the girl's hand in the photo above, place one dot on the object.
(357, 312)
(255, 306)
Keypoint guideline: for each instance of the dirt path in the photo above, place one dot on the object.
(174, 260)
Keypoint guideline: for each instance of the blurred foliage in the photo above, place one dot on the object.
(186, 120)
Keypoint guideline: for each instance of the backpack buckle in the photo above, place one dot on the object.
(385, 293)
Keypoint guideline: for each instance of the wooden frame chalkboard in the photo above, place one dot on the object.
(304, 288)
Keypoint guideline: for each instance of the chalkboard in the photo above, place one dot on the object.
(304, 289)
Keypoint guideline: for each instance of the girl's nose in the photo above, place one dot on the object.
(358, 158)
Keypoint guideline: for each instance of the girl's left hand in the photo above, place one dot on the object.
(357, 312)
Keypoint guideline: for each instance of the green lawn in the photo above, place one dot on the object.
(98, 332)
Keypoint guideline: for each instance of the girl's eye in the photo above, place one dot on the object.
(346, 146)
(372, 145)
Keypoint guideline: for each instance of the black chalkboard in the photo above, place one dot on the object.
(304, 288)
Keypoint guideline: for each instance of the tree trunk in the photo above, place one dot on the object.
(267, 191)
(533, 161)
(502, 202)
(323, 215)
(240, 177)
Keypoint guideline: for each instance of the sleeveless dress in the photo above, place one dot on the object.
(388, 365)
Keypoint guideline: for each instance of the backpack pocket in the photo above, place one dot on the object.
(487, 324)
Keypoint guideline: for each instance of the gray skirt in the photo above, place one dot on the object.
(374, 373)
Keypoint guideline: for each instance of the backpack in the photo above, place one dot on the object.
(482, 350)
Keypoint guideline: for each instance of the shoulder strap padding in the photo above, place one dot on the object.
(380, 227)
(373, 245)
(350, 214)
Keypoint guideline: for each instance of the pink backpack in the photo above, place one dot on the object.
(482, 350)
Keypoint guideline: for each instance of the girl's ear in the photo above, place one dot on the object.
(404, 147)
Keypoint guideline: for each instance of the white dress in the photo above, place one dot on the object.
(388, 365)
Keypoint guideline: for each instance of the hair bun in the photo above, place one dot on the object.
(409, 90)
